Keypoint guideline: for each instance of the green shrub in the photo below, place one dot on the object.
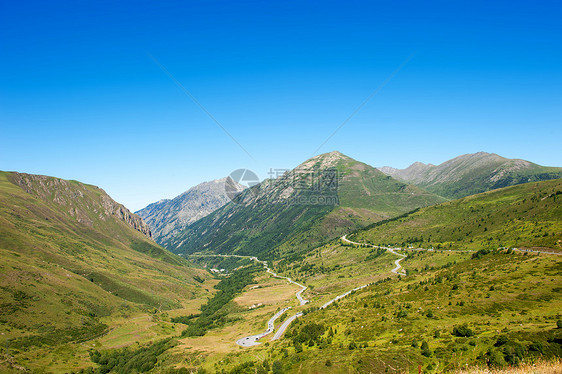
(495, 358)
(513, 353)
(277, 367)
(425, 349)
(480, 254)
(462, 331)
(502, 339)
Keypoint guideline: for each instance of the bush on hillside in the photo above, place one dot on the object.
(462, 331)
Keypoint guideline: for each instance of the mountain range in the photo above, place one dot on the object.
(81, 276)
(472, 173)
(168, 217)
(322, 198)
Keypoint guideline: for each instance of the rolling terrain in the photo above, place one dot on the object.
(436, 288)
(324, 197)
(77, 267)
(472, 173)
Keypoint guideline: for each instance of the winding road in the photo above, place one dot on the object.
(298, 294)
(252, 340)
(284, 326)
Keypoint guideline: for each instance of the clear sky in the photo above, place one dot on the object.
(81, 98)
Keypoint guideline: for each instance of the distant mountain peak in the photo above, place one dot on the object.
(169, 216)
(324, 161)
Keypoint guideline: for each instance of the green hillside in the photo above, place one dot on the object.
(453, 310)
(302, 209)
(526, 215)
(73, 263)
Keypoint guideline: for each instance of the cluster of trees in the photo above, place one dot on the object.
(310, 332)
(128, 360)
(374, 253)
(424, 347)
(511, 352)
(184, 319)
(253, 367)
(87, 331)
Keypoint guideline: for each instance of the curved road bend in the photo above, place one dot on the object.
(253, 340)
(299, 293)
(391, 250)
(283, 327)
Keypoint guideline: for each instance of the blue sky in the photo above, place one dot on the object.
(80, 98)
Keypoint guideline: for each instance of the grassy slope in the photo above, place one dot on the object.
(515, 295)
(526, 215)
(69, 271)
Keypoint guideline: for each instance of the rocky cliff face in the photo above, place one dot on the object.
(87, 204)
(169, 216)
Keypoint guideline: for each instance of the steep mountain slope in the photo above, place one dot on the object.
(472, 173)
(73, 259)
(168, 217)
(323, 197)
(526, 215)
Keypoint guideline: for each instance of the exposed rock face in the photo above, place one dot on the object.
(113, 208)
(472, 173)
(79, 200)
(169, 216)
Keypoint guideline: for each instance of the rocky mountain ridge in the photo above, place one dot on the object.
(169, 216)
(73, 197)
